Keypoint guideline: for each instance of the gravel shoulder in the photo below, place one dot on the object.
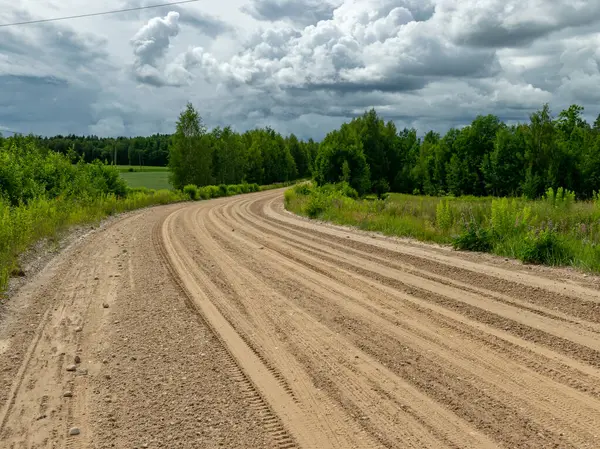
(233, 323)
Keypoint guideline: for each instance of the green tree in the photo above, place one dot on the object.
(300, 154)
(341, 154)
(503, 168)
(190, 154)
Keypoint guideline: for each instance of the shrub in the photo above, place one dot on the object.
(204, 193)
(222, 190)
(214, 191)
(233, 190)
(302, 189)
(474, 237)
(289, 196)
(316, 205)
(346, 190)
(544, 247)
(443, 216)
(508, 218)
(192, 192)
(562, 198)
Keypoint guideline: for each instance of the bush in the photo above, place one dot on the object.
(544, 247)
(474, 238)
(443, 216)
(316, 205)
(302, 189)
(192, 192)
(562, 198)
(204, 193)
(213, 191)
(222, 190)
(508, 218)
(344, 189)
(289, 196)
(233, 190)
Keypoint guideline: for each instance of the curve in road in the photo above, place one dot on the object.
(319, 337)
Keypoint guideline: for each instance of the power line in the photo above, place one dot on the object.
(96, 13)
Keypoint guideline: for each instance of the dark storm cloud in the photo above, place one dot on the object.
(510, 23)
(44, 104)
(400, 84)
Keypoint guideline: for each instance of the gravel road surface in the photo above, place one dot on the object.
(234, 324)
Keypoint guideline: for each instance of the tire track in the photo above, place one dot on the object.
(557, 363)
(361, 375)
(235, 314)
(305, 430)
(502, 367)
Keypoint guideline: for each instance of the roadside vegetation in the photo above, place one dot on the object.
(526, 191)
(44, 190)
(554, 230)
(42, 193)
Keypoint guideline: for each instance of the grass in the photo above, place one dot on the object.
(158, 179)
(555, 230)
(143, 168)
(22, 226)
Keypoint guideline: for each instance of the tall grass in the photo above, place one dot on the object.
(42, 193)
(43, 218)
(555, 230)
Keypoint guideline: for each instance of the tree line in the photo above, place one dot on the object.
(151, 150)
(487, 157)
(222, 156)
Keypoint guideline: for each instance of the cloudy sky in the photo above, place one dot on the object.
(301, 66)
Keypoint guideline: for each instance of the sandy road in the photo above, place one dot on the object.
(232, 323)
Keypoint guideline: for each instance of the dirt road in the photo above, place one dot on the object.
(232, 323)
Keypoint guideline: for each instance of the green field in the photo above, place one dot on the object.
(143, 168)
(150, 177)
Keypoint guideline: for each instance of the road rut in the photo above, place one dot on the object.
(233, 323)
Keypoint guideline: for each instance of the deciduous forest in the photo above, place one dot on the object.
(487, 157)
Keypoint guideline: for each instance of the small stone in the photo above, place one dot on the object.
(105, 361)
(77, 359)
(96, 278)
(78, 329)
(72, 368)
(107, 376)
(105, 305)
(74, 431)
(41, 417)
(83, 372)
(68, 394)
(145, 445)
